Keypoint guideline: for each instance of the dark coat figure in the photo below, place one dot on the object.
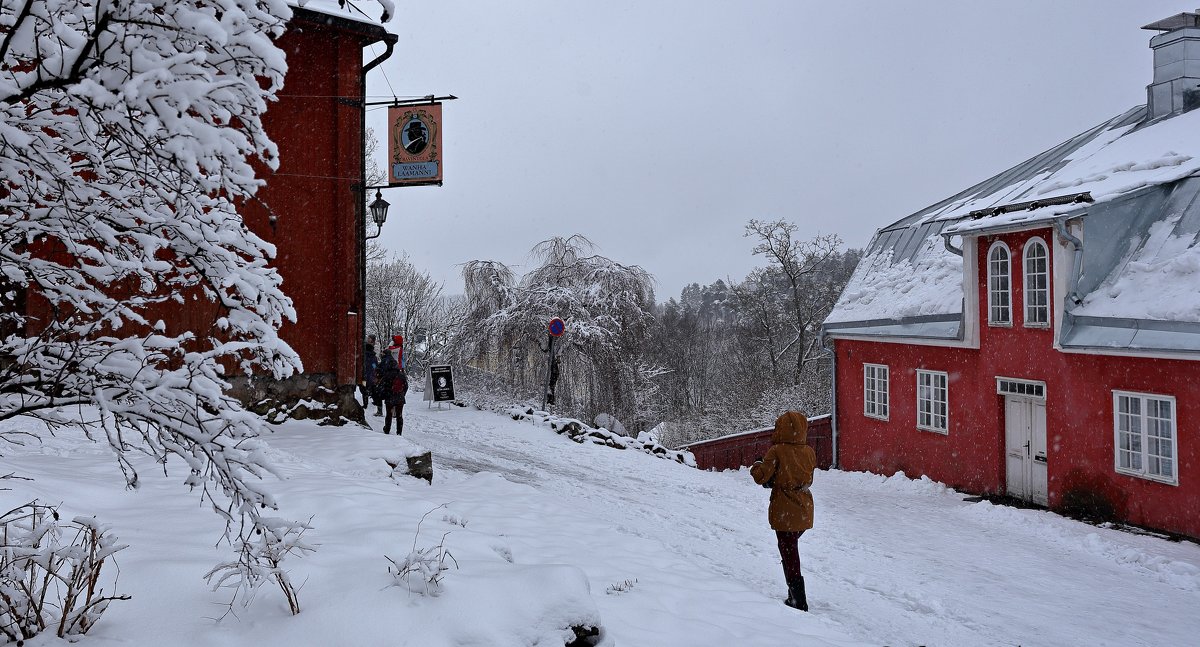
(370, 362)
(788, 470)
(391, 387)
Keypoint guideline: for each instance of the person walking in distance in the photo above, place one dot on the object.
(392, 385)
(370, 362)
(788, 469)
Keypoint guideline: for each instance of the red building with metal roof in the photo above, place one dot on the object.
(1038, 334)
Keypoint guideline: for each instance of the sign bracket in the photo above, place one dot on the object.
(427, 99)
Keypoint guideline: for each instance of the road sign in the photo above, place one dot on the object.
(557, 327)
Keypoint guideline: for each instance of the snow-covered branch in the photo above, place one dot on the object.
(131, 134)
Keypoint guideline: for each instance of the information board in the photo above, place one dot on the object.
(439, 384)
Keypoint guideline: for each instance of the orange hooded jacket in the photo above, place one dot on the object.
(789, 465)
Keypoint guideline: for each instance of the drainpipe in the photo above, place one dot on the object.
(1076, 265)
(833, 416)
(389, 41)
(951, 248)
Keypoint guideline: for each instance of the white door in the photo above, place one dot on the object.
(1025, 449)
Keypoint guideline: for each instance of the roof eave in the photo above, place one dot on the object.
(371, 33)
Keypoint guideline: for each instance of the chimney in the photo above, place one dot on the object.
(1176, 85)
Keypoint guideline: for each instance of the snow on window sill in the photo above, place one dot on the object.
(1149, 477)
(876, 416)
(944, 432)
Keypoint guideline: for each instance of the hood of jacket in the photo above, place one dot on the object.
(791, 428)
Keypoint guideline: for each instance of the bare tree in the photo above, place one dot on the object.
(797, 261)
(400, 300)
(733, 349)
(376, 252)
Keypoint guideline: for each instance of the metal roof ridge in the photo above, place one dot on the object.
(1029, 166)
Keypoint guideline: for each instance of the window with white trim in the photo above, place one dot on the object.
(999, 286)
(1037, 284)
(932, 402)
(875, 391)
(1144, 426)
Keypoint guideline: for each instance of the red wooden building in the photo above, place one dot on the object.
(1037, 335)
(742, 449)
(315, 199)
(310, 209)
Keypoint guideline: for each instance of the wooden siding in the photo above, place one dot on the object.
(741, 450)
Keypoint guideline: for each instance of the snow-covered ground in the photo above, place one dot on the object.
(674, 556)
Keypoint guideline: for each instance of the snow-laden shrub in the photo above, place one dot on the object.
(46, 583)
(260, 559)
(422, 570)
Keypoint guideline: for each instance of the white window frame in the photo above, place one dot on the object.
(1025, 283)
(1143, 418)
(876, 400)
(1019, 388)
(994, 292)
(928, 418)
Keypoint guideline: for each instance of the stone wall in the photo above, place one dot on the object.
(305, 396)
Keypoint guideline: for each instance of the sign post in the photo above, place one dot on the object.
(556, 328)
(439, 384)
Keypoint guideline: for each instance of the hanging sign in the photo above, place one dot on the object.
(415, 144)
(439, 384)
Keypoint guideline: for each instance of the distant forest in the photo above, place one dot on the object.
(717, 359)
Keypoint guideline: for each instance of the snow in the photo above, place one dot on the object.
(881, 288)
(548, 532)
(1114, 163)
(356, 11)
(1157, 280)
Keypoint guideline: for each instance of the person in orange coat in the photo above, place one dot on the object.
(788, 470)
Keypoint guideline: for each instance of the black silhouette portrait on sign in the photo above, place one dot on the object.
(415, 137)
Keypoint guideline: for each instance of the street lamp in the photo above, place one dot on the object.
(379, 209)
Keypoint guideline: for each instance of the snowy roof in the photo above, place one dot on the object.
(1134, 186)
(368, 12)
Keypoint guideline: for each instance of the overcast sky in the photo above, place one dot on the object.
(657, 129)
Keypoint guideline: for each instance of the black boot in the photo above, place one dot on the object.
(796, 598)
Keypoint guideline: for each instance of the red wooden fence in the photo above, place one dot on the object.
(742, 449)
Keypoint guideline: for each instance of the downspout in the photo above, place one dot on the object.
(833, 415)
(389, 41)
(1077, 262)
(957, 251)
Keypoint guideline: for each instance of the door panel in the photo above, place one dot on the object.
(1038, 482)
(1016, 445)
(1025, 459)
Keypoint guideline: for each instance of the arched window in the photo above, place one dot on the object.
(999, 286)
(1037, 283)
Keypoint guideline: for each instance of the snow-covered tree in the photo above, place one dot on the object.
(605, 304)
(130, 134)
(400, 299)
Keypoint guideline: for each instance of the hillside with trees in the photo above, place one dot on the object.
(719, 358)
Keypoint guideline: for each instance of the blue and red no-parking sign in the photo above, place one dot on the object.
(557, 327)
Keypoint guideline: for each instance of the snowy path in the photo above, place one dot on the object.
(674, 557)
(891, 561)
